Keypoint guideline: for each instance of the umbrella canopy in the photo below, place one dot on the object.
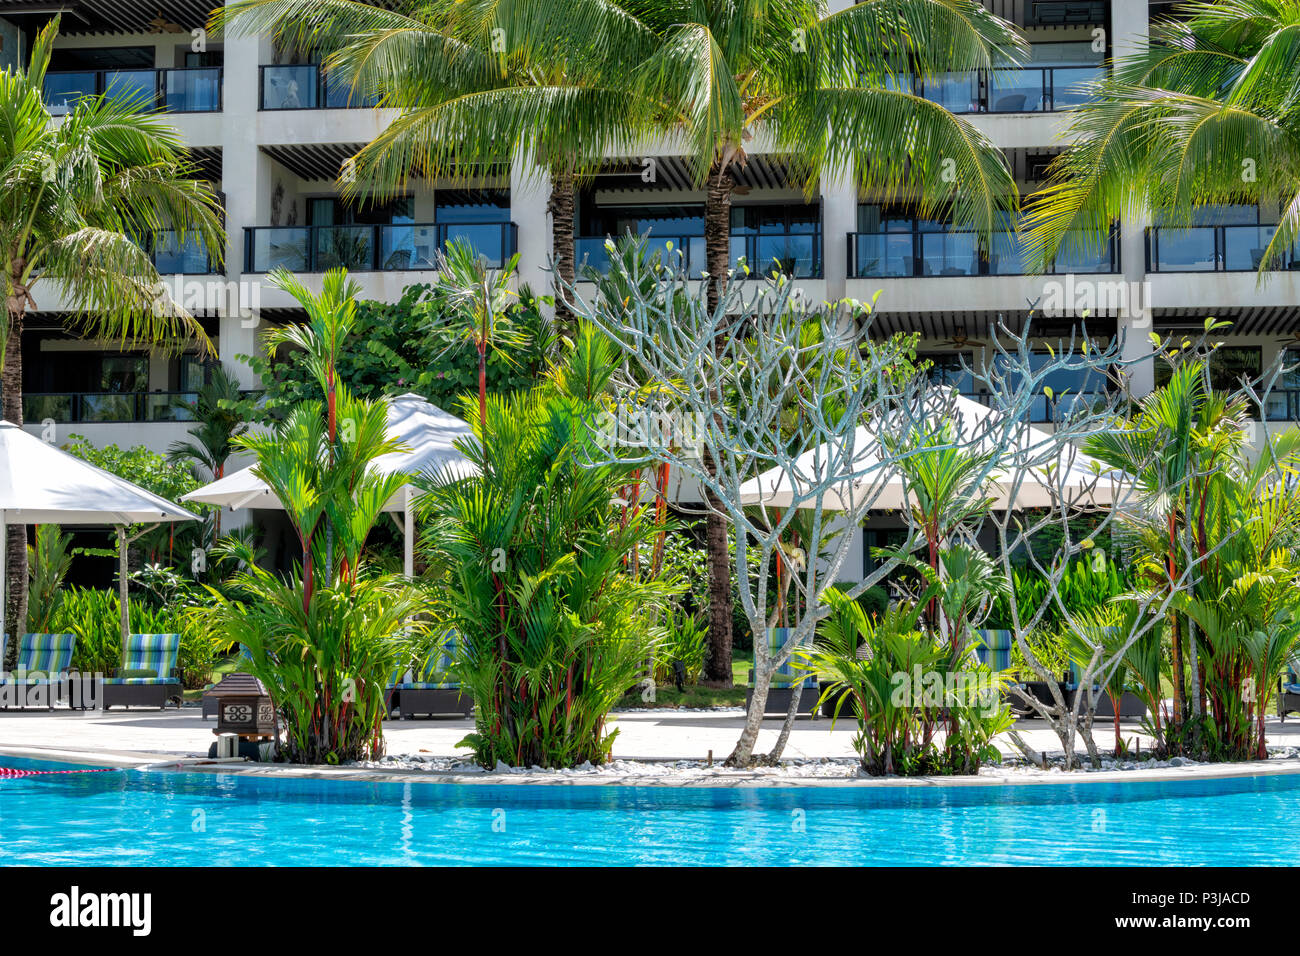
(41, 484)
(428, 433)
(1071, 473)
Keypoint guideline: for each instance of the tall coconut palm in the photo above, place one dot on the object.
(829, 93)
(472, 97)
(1206, 114)
(77, 199)
(573, 82)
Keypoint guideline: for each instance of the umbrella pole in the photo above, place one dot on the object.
(122, 592)
(408, 536)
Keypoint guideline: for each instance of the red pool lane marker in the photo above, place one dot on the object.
(8, 773)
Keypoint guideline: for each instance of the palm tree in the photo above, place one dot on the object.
(1204, 115)
(479, 298)
(77, 200)
(474, 90)
(828, 93)
(221, 413)
(573, 82)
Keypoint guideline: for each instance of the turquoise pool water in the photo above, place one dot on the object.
(168, 818)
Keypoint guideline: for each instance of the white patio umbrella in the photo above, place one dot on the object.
(429, 435)
(41, 484)
(1073, 473)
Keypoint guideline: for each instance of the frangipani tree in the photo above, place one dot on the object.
(827, 460)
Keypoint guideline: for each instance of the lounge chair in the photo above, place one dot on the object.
(146, 677)
(784, 680)
(41, 659)
(1288, 691)
(1130, 704)
(433, 691)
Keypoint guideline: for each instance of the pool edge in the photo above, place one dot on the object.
(163, 762)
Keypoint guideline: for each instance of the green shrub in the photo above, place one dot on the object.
(686, 639)
(904, 689)
(554, 627)
(94, 616)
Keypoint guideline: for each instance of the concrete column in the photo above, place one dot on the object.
(246, 179)
(839, 218)
(1130, 27)
(530, 189)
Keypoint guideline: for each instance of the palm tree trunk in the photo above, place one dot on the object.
(717, 247)
(561, 207)
(11, 381)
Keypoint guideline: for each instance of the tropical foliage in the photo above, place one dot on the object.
(1203, 115)
(554, 625)
(1220, 531)
(326, 638)
(412, 346)
(80, 199)
(920, 709)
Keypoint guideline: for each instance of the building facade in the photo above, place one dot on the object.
(272, 136)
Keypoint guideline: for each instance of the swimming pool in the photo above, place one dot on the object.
(173, 818)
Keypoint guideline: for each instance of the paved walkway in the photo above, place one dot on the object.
(658, 735)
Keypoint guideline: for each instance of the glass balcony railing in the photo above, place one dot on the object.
(383, 248)
(106, 407)
(794, 254)
(189, 90)
(901, 255)
(173, 257)
(1030, 89)
(1213, 249)
(304, 86)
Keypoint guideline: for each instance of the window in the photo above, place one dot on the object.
(946, 369)
(123, 373)
(1229, 364)
(471, 206)
(1068, 386)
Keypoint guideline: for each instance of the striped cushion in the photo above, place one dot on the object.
(788, 674)
(46, 653)
(150, 652)
(994, 649)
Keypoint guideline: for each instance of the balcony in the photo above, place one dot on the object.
(105, 407)
(920, 254)
(172, 257)
(1212, 249)
(381, 248)
(192, 90)
(305, 87)
(797, 255)
(1035, 89)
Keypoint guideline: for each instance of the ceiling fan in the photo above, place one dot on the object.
(161, 24)
(960, 341)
